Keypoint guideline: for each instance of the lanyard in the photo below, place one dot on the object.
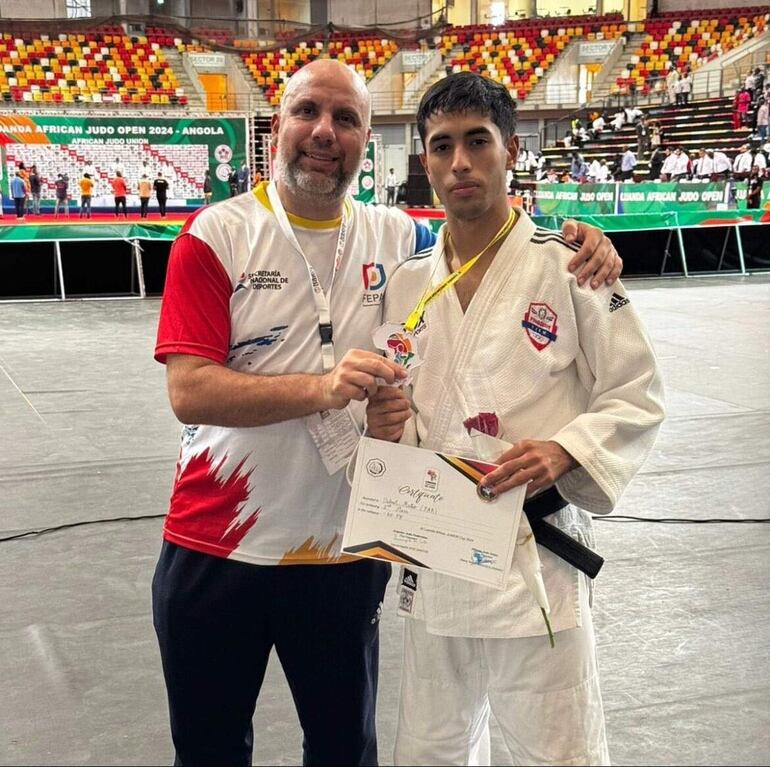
(325, 329)
(413, 320)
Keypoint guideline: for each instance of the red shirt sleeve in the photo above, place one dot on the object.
(195, 312)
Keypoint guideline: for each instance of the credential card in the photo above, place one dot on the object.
(421, 508)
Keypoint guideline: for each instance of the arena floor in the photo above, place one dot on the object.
(682, 610)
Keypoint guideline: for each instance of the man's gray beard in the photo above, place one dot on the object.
(312, 185)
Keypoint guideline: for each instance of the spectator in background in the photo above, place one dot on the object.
(671, 80)
(657, 159)
(567, 140)
(627, 164)
(61, 186)
(681, 167)
(741, 108)
(703, 167)
(598, 126)
(759, 82)
(86, 192)
(762, 120)
(391, 185)
(208, 187)
(656, 135)
(160, 185)
(24, 175)
(35, 186)
(232, 182)
(243, 178)
(678, 99)
(119, 191)
(669, 163)
(257, 178)
(685, 87)
(722, 165)
(754, 193)
(633, 114)
(145, 192)
(598, 172)
(642, 138)
(19, 194)
(760, 161)
(578, 170)
(743, 162)
(749, 84)
(618, 120)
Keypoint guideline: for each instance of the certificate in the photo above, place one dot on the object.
(422, 509)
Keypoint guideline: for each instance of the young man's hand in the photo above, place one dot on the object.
(530, 461)
(387, 412)
(597, 258)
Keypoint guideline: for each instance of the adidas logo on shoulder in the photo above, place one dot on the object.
(617, 301)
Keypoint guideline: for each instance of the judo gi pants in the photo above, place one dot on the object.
(217, 620)
(546, 701)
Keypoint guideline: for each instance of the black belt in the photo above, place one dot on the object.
(556, 540)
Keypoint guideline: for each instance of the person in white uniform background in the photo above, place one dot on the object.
(567, 381)
(270, 301)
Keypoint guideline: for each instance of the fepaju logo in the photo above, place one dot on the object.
(374, 276)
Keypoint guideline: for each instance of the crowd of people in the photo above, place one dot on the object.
(26, 186)
(668, 161)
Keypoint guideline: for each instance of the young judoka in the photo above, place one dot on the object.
(567, 376)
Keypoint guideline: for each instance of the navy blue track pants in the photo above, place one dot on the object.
(217, 620)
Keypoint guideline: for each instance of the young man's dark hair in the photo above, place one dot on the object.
(467, 92)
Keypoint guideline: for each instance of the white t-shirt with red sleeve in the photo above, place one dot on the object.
(239, 294)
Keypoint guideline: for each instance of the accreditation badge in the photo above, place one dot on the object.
(335, 435)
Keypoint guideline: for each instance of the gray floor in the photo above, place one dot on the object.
(681, 610)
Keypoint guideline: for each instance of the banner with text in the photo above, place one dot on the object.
(602, 199)
(182, 149)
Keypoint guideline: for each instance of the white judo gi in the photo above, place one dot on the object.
(553, 361)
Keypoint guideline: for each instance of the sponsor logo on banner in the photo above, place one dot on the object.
(374, 284)
(540, 325)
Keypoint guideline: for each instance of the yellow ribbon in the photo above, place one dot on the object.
(413, 320)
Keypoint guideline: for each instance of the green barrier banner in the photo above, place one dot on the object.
(602, 199)
(563, 199)
(658, 198)
(61, 232)
(183, 149)
(636, 222)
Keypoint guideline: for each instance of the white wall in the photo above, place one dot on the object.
(31, 9)
(357, 13)
(692, 5)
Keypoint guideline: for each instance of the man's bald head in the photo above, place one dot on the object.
(329, 72)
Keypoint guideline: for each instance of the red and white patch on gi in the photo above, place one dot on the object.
(540, 325)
